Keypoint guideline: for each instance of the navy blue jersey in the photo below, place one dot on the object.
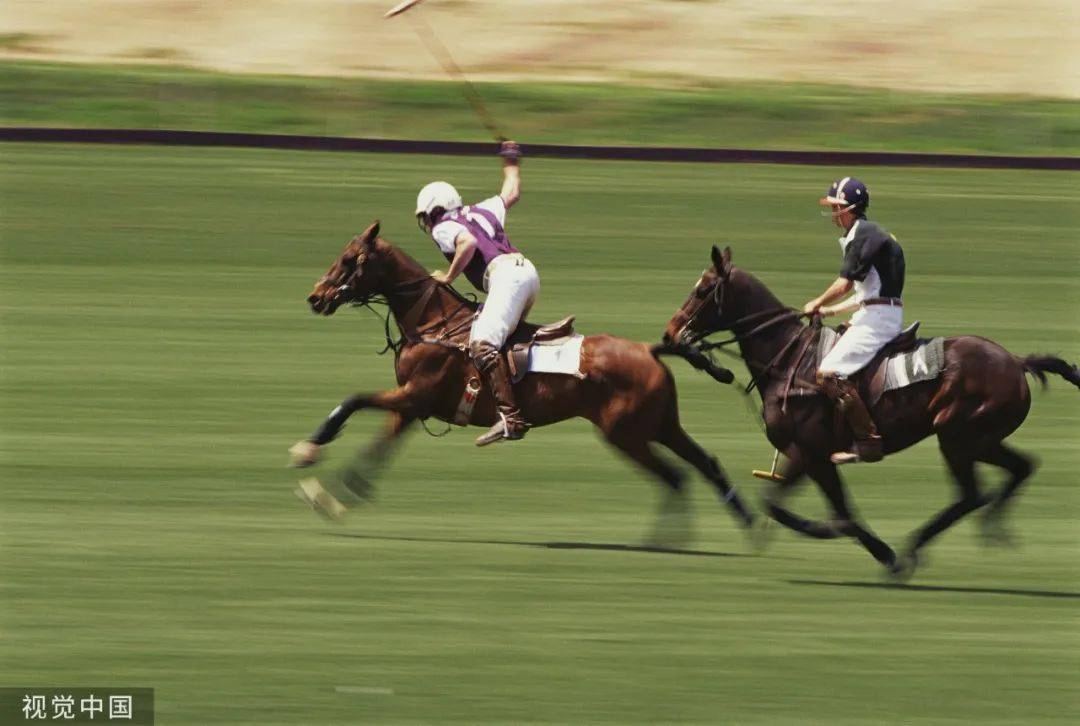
(873, 258)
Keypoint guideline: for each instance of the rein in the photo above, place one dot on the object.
(412, 316)
(779, 315)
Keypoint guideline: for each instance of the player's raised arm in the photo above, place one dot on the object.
(511, 188)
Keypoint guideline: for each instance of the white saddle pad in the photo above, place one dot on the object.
(922, 364)
(562, 357)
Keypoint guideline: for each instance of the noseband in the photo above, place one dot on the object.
(717, 295)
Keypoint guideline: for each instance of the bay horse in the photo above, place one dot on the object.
(624, 389)
(980, 399)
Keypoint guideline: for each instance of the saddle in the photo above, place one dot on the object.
(529, 334)
(871, 379)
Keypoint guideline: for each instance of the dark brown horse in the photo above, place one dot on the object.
(980, 399)
(624, 390)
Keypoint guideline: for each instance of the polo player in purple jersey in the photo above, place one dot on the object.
(473, 239)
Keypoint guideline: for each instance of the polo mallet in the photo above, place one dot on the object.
(436, 48)
(771, 475)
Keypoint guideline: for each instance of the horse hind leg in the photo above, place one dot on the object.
(680, 443)
(961, 462)
(673, 528)
(1020, 467)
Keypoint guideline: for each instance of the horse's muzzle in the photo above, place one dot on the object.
(321, 305)
(677, 329)
(676, 335)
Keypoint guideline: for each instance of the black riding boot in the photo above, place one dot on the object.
(851, 407)
(493, 367)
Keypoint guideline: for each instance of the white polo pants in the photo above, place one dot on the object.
(512, 287)
(871, 328)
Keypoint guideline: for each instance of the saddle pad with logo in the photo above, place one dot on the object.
(563, 357)
(925, 363)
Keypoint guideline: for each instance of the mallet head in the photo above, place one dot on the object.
(401, 7)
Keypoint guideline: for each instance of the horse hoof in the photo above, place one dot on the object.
(303, 454)
(994, 533)
(358, 485)
(314, 494)
(903, 567)
(1001, 539)
(760, 534)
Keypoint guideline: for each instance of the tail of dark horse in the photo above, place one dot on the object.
(1040, 365)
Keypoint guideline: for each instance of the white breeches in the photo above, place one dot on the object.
(871, 328)
(512, 287)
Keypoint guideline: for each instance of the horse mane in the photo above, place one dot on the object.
(410, 269)
(751, 285)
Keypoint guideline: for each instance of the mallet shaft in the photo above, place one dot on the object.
(442, 55)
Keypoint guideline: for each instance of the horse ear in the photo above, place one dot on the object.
(367, 237)
(721, 261)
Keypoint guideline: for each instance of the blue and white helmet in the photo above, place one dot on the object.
(849, 192)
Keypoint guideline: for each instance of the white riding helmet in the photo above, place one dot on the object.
(437, 194)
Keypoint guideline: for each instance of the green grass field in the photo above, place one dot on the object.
(158, 359)
(729, 114)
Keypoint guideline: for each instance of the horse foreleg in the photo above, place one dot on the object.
(404, 400)
(843, 524)
(773, 503)
(356, 477)
(832, 486)
(359, 474)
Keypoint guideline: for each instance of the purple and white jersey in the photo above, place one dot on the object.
(486, 222)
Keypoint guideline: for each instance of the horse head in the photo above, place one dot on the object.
(353, 277)
(704, 311)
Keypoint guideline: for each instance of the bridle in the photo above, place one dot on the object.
(768, 319)
(716, 293)
(409, 331)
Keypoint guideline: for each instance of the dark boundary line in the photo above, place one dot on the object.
(554, 151)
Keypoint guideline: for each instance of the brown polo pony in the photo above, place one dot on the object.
(625, 391)
(981, 398)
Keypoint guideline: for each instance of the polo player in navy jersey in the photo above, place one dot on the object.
(473, 239)
(874, 266)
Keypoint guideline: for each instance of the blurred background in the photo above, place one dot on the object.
(965, 46)
(157, 359)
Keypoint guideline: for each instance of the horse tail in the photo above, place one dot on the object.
(664, 349)
(694, 357)
(1040, 365)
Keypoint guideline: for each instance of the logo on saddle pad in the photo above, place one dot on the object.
(925, 363)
